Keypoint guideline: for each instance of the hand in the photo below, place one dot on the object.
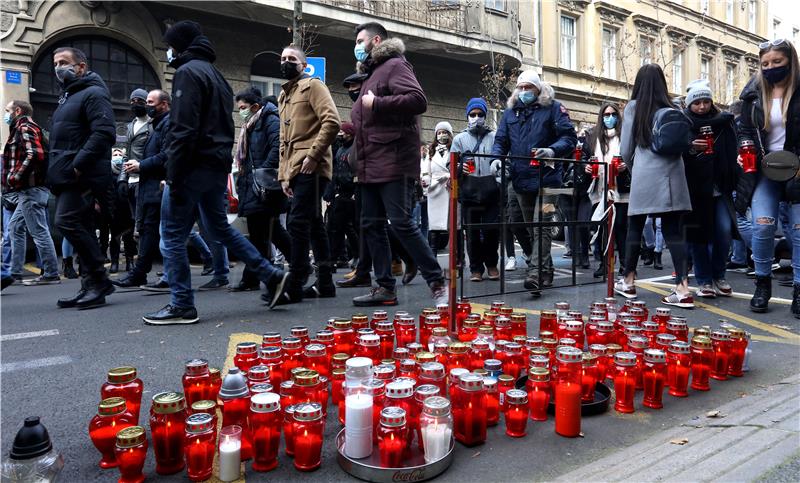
(496, 166)
(739, 161)
(544, 153)
(621, 167)
(309, 166)
(286, 189)
(464, 168)
(161, 185)
(367, 99)
(131, 166)
(699, 145)
(424, 182)
(587, 168)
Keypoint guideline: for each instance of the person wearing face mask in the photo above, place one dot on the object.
(138, 131)
(309, 124)
(79, 172)
(436, 179)
(478, 191)
(771, 119)
(534, 122)
(24, 168)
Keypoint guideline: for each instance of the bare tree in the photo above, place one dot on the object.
(495, 79)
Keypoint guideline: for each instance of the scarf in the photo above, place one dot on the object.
(241, 146)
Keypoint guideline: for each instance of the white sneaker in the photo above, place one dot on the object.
(627, 291)
(511, 264)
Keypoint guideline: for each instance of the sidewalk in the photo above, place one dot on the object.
(749, 437)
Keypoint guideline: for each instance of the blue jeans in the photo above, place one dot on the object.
(653, 238)
(745, 226)
(764, 207)
(31, 213)
(6, 263)
(213, 251)
(177, 218)
(709, 258)
(66, 248)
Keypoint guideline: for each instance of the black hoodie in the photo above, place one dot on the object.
(82, 132)
(201, 126)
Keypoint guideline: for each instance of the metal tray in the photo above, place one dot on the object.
(602, 395)
(369, 468)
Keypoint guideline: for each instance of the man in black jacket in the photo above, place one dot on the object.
(198, 162)
(81, 135)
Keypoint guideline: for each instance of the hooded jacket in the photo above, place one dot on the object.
(152, 165)
(201, 125)
(82, 132)
(387, 140)
(263, 144)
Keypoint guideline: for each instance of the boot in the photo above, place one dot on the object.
(114, 266)
(762, 294)
(657, 261)
(796, 301)
(128, 264)
(70, 302)
(68, 269)
(647, 256)
(95, 294)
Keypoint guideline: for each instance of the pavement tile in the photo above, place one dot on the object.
(751, 407)
(778, 413)
(762, 462)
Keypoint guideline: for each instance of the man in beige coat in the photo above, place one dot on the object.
(309, 125)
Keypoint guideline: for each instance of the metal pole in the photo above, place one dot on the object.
(453, 225)
(610, 184)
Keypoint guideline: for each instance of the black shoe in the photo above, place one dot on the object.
(245, 287)
(70, 302)
(276, 290)
(760, 301)
(128, 264)
(377, 297)
(600, 272)
(213, 284)
(319, 290)
(409, 274)
(532, 284)
(567, 254)
(114, 266)
(357, 281)
(583, 262)
(129, 281)
(159, 286)
(657, 261)
(95, 294)
(796, 301)
(171, 315)
(6, 281)
(208, 268)
(547, 279)
(786, 282)
(647, 256)
(68, 269)
(735, 266)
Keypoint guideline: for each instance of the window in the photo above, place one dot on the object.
(729, 11)
(269, 86)
(730, 74)
(705, 68)
(444, 3)
(776, 27)
(646, 49)
(496, 4)
(609, 53)
(677, 71)
(569, 43)
(751, 15)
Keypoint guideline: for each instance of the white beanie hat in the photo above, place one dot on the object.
(444, 126)
(698, 89)
(529, 77)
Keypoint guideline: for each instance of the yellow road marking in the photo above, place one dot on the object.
(32, 268)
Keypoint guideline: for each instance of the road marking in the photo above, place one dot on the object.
(35, 364)
(738, 295)
(28, 335)
(32, 268)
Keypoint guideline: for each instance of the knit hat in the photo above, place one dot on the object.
(139, 94)
(348, 128)
(529, 77)
(181, 35)
(444, 126)
(476, 103)
(697, 90)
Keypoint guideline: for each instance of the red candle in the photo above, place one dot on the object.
(385, 331)
(679, 361)
(315, 357)
(400, 393)
(307, 386)
(538, 387)
(112, 416)
(463, 309)
(258, 375)
(433, 373)
(301, 332)
(196, 381)
(246, 356)
(405, 331)
(377, 389)
(654, 375)
(207, 407)
(469, 411)
(272, 357)
(292, 354)
(603, 334)
(678, 328)
(661, 317)
(308, 429)
(574, 330)
(600, 351)
(235, 398)
(337, 380)
(502, 329)
(271, 339)
(432, 321)
(516, 414)
(637, 345)
(504, 383)
(747, 151)
(702, 361)
(650, 330)
(547, 322)
(392, 437)
(130, 452)
(359, 321)
(369, 345)
(492, 401)
(216, 382)
(457, 356)
(408, 369)
(568, 391)
(265, 422)
(589, 377)
(344, 337)
(288, 427)
(167, 427)
(122, 382)
(738, 348)
(469, 328)
(707, 135)
(199, 446)
(721, 341)
(625, 375)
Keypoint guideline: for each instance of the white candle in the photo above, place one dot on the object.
(230, 459)
(358, 425)
(436, 439)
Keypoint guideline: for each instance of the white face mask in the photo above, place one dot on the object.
(443, 138)
(476, 122)
(170, 55)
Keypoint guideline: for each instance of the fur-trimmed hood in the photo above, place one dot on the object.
(387, 49)
(545, 98)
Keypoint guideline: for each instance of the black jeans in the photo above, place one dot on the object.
(75, 219)
(672, 227)
(342, 224)
(265, 229)
(307, 228)
(482, 243)
(582, 208)
(395, 200)
(514, 215)
(150, 219)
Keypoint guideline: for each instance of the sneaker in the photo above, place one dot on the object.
(511, 264)
(276, 289)
(683, 301)
(706, 291)
(547, 279)
(376, 297)
(160, 286)
(171, 315)
(627, 291)
(723, 288)
(476, 277)
(567, 254)
(493, 273)
(736, 267)
(348, 282)
(208, 268)
(439, 294)
(42, 280)
(213, 284)
(319, 291)
(531, 283)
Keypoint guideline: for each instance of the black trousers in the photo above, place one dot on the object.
(75, 219)
(514, 215)
(672, 227)
(307, 228)
(342, 225)
(482, 243)
(150, 219)
(265, 229)
(582, 209)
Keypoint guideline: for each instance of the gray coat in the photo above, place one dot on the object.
(465, 141)
(658, 183)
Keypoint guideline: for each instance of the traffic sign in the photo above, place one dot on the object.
(316, 67)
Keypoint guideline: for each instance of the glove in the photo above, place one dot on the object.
(544, 153)
(496, 166)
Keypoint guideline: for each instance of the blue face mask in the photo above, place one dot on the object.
(7, 118)
(527, 97)
(610, 121)
(360, 52)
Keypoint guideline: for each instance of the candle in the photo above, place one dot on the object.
(655, 373)
(265, 423)
(308, 428)
(678, 368)
(392, 437)
(568, 391)
(358, 424)
(538, 386)
(122, 382)
(167, 424)
(516, 414)
(702, 360)
(230, 457)
(199, 445)
(625, 381)
(721, 340)
(437, 439)
(738, 349)
(131, 451)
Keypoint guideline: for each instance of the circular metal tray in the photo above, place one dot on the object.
(369, 468)
(602, 395)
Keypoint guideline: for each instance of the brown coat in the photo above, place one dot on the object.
(309, 125)
(387, 140)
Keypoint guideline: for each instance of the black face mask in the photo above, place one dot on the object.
(138, 110)
(776, 74)
(289, 70)
(354, 95)
(151, 111)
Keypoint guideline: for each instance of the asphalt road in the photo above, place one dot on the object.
(57, 374)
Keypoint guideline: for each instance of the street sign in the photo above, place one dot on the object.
(316, 67)
(13, 77)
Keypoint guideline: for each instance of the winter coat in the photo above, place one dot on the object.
(82, 132)
(623, 181)
(543, 124)
(342, 183)
(135, 147)
(658, 182)
(201, 126)
(438, 192)
(707, 173)
(24, 155)
(263, 143)
(152, 165)
(387, 140)
(309, 125)
(750, 128)
(483, 185)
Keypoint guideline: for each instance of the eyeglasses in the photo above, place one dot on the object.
(610, 114)
(771, 43)
(473, 115)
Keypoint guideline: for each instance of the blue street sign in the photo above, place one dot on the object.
(13, 77)
(316, 67)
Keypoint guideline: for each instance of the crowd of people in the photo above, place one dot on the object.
(369, 195)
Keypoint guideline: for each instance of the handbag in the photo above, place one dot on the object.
(265, 182)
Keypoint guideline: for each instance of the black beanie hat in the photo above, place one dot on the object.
(181, 35)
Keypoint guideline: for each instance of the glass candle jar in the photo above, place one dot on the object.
(112, 417)
(637, 344)
(469, 411)
(514, 364)
(301, 332)
(516, 414)
(246, 356)
(377, 389)
(678, 328)
(438, 336)
(650, 330)
(413, 348)
(385, 331)
(167, 427)
(478, 354)
(661, 317)
(589, 377)
(344, 337)
(436, 428)
(463, 309)
(337, 393)
(492, 399)
(292, 354)
(216, 382)
(625, 375)
(286, 392)
(469, 328)
(235, 397)
(206, 407)
(308, 428)
(339, 360)
(405, 331)
(664, 340)
(378, 316)
(385, 372)
(486, 334)
(433, 373)
(639, 305)
(738, 350)
(504, 383)
(500, 350)
(271, 339)
(443, 310)
(749, 155)
(721, 342)
(603, 333)
(457, 356)
(426, 329)
(493, 367)
(502, 329)
(408, 368)
(196, 381)
(654, 376)
(230, 453)
(288, 431)
(359, 322)
(538, 387)
(574, 330)
(257, 375)
(702, 362)
(307, 388)
(679, 362)
(392, 437)
(400, 393)
(123, 382)
(568, 391)
(315, 357)
(265, 421)
(519, 324)
(369, 345)
(130, 452)
(421, 393)
(273, 358)
(199, 446)
(548, 321)
(600, 350)
(707, 136)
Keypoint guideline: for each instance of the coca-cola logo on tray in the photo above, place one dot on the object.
(415, 475)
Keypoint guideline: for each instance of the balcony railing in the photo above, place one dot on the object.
(445, 15)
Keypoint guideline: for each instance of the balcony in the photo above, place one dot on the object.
(440, 15)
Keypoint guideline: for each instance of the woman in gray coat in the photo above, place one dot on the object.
(658, 185)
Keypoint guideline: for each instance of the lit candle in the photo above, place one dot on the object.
(437, 441)
(230, 457)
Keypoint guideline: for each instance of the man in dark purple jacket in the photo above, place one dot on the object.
(386, 159)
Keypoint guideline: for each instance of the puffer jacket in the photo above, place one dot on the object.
(82, 132)
(263, 145)
(152, 165)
